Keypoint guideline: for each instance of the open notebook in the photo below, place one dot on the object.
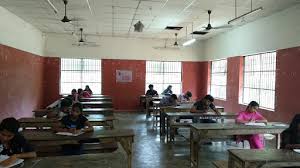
(255, 124)
(4, 157)
(69, 133)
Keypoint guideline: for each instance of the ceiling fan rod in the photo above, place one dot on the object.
(52, 6)
(191, 41)
(246, 14)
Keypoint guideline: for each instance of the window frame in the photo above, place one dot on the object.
(163, 72)
(81, 73)
(243, 88)
(226, 72)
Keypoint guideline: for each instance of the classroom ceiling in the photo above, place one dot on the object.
(117, 17)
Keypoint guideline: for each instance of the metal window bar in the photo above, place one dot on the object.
(76, 73)
(162, 74)
(259, 79)
(218, 78)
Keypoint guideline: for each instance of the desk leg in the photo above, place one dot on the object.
(193, 149)
(126, 143)
(278, 141)
(162, 123)
(167, 129)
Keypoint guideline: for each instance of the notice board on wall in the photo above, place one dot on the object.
(123, 76)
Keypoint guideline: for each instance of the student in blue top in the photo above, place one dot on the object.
(12, 143)
(168, 91)
(74, 123)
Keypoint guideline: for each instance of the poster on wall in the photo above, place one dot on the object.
(123, 76)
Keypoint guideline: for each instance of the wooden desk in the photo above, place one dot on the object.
(171, 120)
(203, 132)
(244, 158)
(42, 137)
(95, 99)
(97, 104)
(148, 99)
(185, 107)
(46, 122)
(103, 111)
(92, 96)
(99, 160)
(41, 112)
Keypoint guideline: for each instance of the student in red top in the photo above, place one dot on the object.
(88, 89)
(83, 94)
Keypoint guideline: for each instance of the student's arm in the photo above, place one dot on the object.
(216, 111)
(240, 119)
(261, 119)
(88, 127)
(59, 127)
(26, 155)
(12, 159)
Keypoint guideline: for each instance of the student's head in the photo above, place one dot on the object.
(80, 91)
(173, 97)
(150, 87)
(9, 127)
(188, 94)
(170, 87)
(76, 109)
(74, 92)
(252, 106)
(208, 99)
(87, 87)
(65, 104)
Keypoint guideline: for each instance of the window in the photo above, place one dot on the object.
(162, 74)
(76, 73)
(218, 79)
(259, 79)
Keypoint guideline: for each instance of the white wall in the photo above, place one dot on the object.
(278, 31)
(59, 45)
(19, 34)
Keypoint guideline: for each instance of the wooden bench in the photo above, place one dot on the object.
(220, 163)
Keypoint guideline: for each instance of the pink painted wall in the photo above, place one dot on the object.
(21, 82)
(194, 78)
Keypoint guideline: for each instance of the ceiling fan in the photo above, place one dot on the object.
(174, 46)
(65, 19)
(83, 42)
(209, 26)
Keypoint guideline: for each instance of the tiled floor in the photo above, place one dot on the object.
(151, 151)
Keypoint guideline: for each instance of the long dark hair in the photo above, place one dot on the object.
(252, 104)
(294, 128)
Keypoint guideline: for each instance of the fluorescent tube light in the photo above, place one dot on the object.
(52, 6)
(248, 13)
(189, 42)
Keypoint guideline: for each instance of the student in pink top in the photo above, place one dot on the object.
(251, 115)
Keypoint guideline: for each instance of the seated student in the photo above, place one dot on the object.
(151, 91)
(291, 136)
(183, 98)
(202, 106)
(169, 101)
(83, 94)
(74, 95)
(168, 91)
(62, 110)
(12, 143)
(251, 115)
(87, 89)
(74, 123)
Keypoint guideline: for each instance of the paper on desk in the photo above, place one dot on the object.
(279, 125)
(296, 150)
(4, 157)
(69, 133)
(255, 124)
